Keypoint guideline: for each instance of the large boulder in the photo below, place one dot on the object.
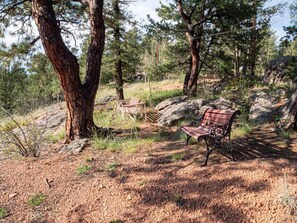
(180, 111)
(169, 102)
(282, 70)
(224, 104)
(262, 107)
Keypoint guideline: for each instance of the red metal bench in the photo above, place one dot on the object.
(214, 127)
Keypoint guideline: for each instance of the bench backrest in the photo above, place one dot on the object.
(134, 101)
(218, 119)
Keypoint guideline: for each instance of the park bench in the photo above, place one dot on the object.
(214, 127)
(132, 107)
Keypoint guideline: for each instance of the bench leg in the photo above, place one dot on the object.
(188, 139)
(207, 153)
(231, 148)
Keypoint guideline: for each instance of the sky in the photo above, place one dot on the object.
(141, 8)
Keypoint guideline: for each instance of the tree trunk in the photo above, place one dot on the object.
(253, 46)
(79, 96)
(194, 39)
(288, 120)
(119, 79)
(192, 84)
(118, 62)
(187, 77)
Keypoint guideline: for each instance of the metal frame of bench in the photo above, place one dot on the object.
(213, 127)
(132, 108)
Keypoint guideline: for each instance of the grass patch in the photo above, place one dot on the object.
(111, 167)
(3, 212)
(36, 199)
(159, 96)
(88, 159)
(144, 89)
(83, 169)
(114, 118)
(56, 137)
(115, 221)
(242, 130)
(177, 156)
(7, 126)
(244, 127)
(125, 144)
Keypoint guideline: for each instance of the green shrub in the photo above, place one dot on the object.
(25, 143)
(36, 199)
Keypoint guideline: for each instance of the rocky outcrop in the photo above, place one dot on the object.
(169, 102)
(175, 109)
(282, 70)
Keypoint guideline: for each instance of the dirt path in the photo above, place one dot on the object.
(161, 183)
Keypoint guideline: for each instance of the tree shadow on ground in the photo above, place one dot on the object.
(206, 194)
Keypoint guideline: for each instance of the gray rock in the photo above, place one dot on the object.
(203, 108)
(222, 103)
(280, 93)
(178, 112)
(74, 147)
(52, 119)
(170, 102)
(200, 102)
(261, 108)
(106, 99)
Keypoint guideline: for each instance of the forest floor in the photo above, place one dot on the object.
(162, 182)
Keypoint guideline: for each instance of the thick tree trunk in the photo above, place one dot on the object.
(79, 97)
(118, 62)
(288, 120)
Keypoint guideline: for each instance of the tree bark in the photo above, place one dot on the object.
(194, 39)
(253, 46)
(288, 120)
(192, 84)
(187, 77)
(79, 97)
(118, 61)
